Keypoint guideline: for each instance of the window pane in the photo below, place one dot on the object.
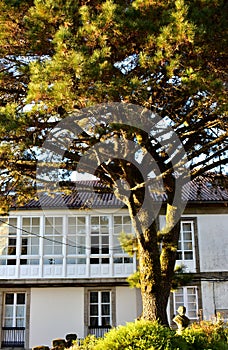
(179, 299)
(179, 256)
(192, 314)
(95, 220)
(94, 310)
(35, 221)
(191, 291)
(105, 240)
(105, 297)
(105, 310)
(104, 220)
(58, 221)
(21, 298)
(187, 236)
(105, 250)
(20, 309)
(26, 222)
(188, 245)
(11, 262)
(8, 322)
(94, 297)
(94, 240)
(94, 250)
(188, 255)
(93, 321)
(105, 321)
(187, 226)
(117, 220)
(13, 226)
(20, 322)
(9, 299)
(9, 311)
(81, 220)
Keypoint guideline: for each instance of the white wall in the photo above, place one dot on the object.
(214, 297)
(127, 305)
(54, 313)
(213, 242)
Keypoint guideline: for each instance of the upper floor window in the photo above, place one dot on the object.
(53, 240)
(8, 241)
(99, 239)
(121, 223)
(188, 297)
(186, 241)
(30, 238)
(76, 239)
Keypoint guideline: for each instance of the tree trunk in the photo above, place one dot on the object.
(156, 265)
(154, 292)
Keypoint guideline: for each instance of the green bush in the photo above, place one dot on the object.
(207, 335)
(145, 335)
(86, 344)
(139, 335)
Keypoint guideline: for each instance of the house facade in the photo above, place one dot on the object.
(62, 269)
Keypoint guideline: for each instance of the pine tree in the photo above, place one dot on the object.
(62, 57)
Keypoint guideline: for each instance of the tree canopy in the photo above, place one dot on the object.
(63, 58)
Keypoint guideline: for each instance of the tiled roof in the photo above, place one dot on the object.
(93, 194)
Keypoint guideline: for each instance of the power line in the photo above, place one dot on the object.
(53, 240)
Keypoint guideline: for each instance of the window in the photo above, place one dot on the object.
(53, 239)
(30, 241)
(14, 310)
(14, 317)
(100, 309)
(99, 240)
(188, 297)
(76, 240)
(121, 224)
(186, 241)
(8, 241)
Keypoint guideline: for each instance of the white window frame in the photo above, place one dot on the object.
(100, 237)
(31, 232)
(7, 233)
(53, 240)
(15, 310)
(187, 300)
(119, 255)
(183, 242)
(99, 304)
(76, 239)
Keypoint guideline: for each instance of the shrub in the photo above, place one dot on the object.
(145, 335)
(207, 335)
(141, 335)
(87, 344)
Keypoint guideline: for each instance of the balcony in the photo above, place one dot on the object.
(64, 269)
(99, 331)
(13, 337)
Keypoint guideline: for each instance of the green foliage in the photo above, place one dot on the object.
(129, 243)
(180, 277)
(207, 335)
(145, 335)
(86, 344)
(141, 335)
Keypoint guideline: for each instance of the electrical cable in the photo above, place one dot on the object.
(113, 248)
